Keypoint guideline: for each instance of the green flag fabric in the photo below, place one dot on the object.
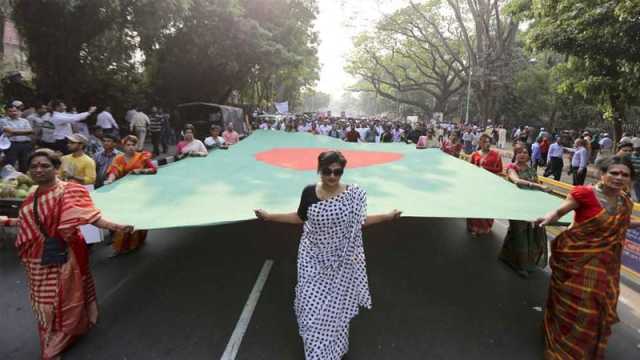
(269, 169)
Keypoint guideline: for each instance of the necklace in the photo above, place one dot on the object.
(609, 204)
(325, 195)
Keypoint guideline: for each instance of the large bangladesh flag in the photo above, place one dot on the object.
(270, 168)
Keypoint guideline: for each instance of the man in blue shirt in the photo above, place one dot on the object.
(104, 158)
(579, 163)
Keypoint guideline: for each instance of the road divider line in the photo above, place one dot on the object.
(233, 345)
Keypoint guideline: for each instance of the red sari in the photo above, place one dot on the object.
(121, 167)
(452, 149)
(63, 297)
(585, 279)
(491, 162)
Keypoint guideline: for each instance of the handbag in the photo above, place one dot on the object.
(55, 250)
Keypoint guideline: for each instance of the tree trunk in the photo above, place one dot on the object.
(618, 106)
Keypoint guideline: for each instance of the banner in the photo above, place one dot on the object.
(269, 169)
(631, 252)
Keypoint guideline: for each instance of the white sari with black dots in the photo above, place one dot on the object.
(332, 277)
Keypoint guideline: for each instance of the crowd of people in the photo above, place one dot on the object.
(65, 163)
(548, 149)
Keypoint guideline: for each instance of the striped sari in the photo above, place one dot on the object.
(584, 288)
(63, 297)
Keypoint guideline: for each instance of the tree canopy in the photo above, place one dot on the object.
(431, 49)
(600, 39)
(169, 50)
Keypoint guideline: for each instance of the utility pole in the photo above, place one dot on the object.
(466, 117)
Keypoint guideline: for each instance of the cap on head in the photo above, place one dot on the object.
(78, 138)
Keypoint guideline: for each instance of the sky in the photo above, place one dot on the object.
(338, 22)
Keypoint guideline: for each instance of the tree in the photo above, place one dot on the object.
(431, 50)
(266, 52)
(600, 37)
(174, 50)
(313, 101)
(487, 35)
(397, 66)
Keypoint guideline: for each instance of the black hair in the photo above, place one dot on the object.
(53, 157)
(56, 103)
(326, 158)
(605, 163)
(113, 137)
(10, 106)
(625, 144)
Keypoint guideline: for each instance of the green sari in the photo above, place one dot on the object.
(525, 246)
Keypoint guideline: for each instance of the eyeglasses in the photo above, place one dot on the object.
(335, 172)
(619, 173)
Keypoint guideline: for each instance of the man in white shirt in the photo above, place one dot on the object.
(129, 115)
(139, 124)
(42, 126)
(214, 140)
(62, 121)
(502, 137)
(19, 131)
(606, 146)
(106, 121)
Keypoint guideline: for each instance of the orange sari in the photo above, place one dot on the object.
(585, 285)
(63, 297)
(120, 167)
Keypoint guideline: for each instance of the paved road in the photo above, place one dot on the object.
(437, 294)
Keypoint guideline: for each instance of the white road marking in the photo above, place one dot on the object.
(241, 327)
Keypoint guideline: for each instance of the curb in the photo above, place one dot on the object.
(164, 161)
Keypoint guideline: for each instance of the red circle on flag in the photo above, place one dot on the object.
(307, 158)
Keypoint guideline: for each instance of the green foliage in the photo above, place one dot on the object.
(601, 39)
(401, 61)
(315, 101)
(123, 51)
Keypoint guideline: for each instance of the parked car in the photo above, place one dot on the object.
(203, 115)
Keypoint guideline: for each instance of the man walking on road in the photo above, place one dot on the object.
(554, 160)
(42, 126)
(139, 123)
(106, 121)
(579, 163)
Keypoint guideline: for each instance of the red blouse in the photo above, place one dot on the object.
(589, 204)
(492, 162)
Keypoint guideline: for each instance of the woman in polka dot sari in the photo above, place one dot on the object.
(332, 278)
